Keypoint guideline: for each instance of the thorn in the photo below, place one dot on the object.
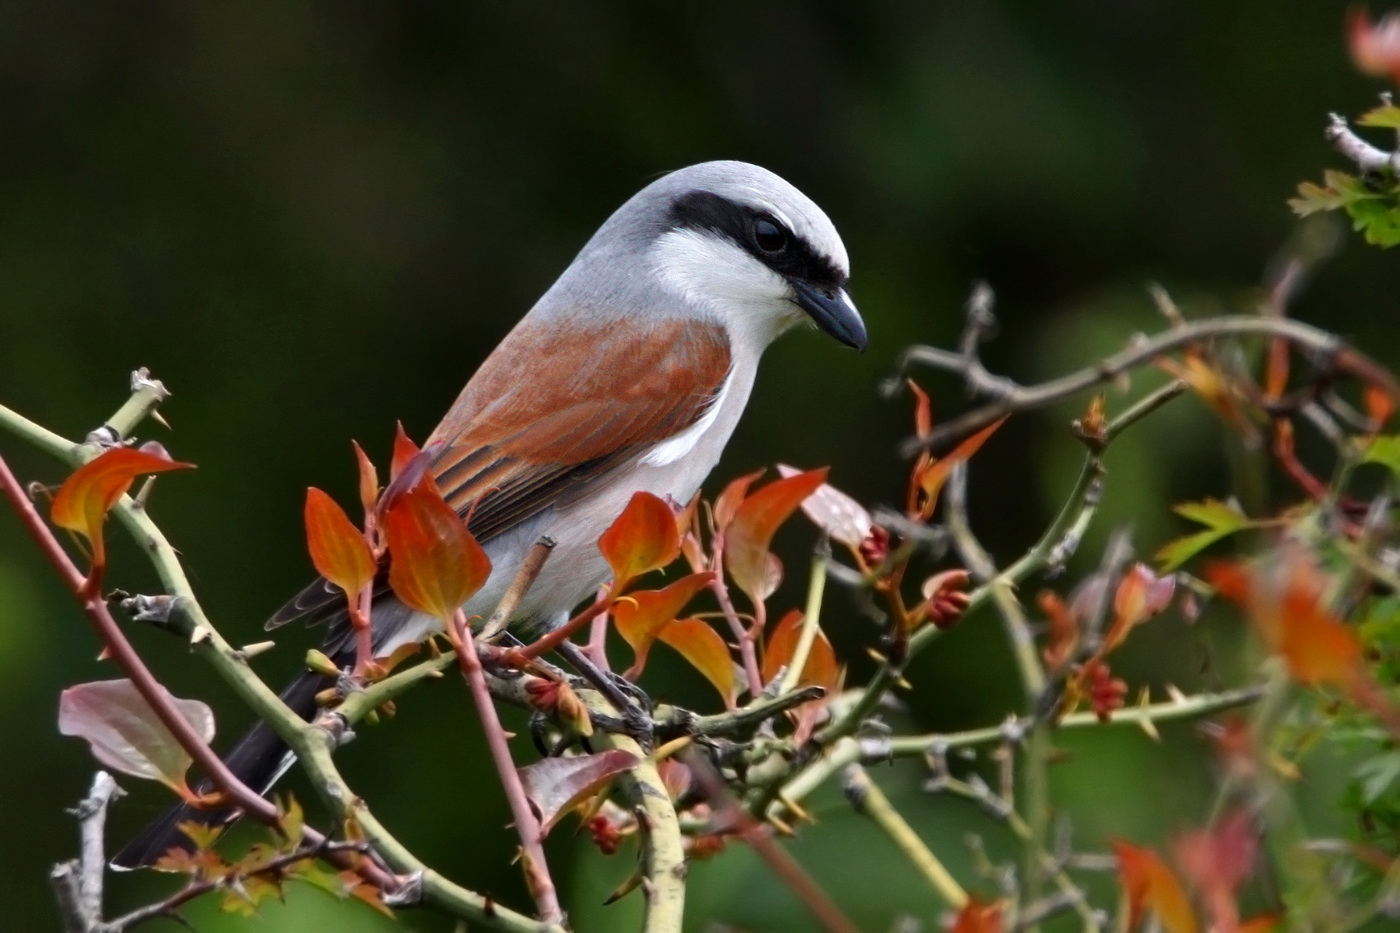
(1176, 695)
(256, 648)
(159, 419)
(1148, 726)
(794, 808)
(200, 634)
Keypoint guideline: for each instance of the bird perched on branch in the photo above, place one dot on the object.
(628, 375)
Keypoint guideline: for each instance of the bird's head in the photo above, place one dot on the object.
(740, 243)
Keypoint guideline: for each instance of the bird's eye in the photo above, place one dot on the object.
(770, 237)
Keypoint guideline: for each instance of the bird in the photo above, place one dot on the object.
(629, 374)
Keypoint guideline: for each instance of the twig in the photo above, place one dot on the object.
(728, 813)
(983, 795)
(527, 824)
(746, 718)
(78, 883)
(811, 619)
(115, 641)
(1366, 156)
(312, 744)
(524, 579)
(748, 654)
(663, 849)
(520, 656)
(867, 799)
(166, 908)
(1010, 397)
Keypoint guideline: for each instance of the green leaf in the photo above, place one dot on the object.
(1338, 190)
(1386, 116)
(1377, 219)
(1384, 450)
(1214, 514)
(1221, 520)
(1377, 775)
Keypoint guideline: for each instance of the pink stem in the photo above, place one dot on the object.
(526, 824)
(130, 662)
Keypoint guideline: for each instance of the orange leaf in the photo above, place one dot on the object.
(728, 501)
(1149, 884)
(923, 409)
(755, 521)
(1380, 405)
(1211, 385)
(978, 916)
(338, 549)
(931, 476)
(643, 539)
(435, 564)
(1141, 594)
(82, 503)
(1217, 861)
(1286, 604)
(641, 615)
(1062, 639)
(369, 480)
(404, 452)
(821, 667)
(705, 650)
(1375, 49)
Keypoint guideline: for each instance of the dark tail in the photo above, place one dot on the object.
(258, 759)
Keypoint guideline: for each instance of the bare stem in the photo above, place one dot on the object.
(865, 795)
(527, 825)
(729, 814)
(1009, 397)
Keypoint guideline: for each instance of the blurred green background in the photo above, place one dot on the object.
(313, 219)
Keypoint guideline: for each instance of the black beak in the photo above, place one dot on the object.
(832, 311)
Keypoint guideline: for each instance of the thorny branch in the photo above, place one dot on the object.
(1329, 352)
(752, 799)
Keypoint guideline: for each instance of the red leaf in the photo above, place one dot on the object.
(1149, 884)
(435, 564)
(643, 539)
(1380, 405)
(843, 519)
(556, 785)
(1375, 49)
(82, 503)
(640, 616)
(978, 916)
(1217, 862)
(1062, 632)
(748, 536)
(728, 501)
(931, 474)
(1141, 594)
(821, 667)
(405, 452)
(705, 650)
(126, 734)
(923, 410)
(338, 549)
(1286, 603)
(369, 480)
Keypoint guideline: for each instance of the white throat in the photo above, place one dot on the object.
(713, 274)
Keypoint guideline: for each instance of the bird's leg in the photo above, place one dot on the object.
(629, 699)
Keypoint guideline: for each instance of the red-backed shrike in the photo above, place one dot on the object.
(629, 374)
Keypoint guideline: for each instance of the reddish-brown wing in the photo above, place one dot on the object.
(552, 412)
